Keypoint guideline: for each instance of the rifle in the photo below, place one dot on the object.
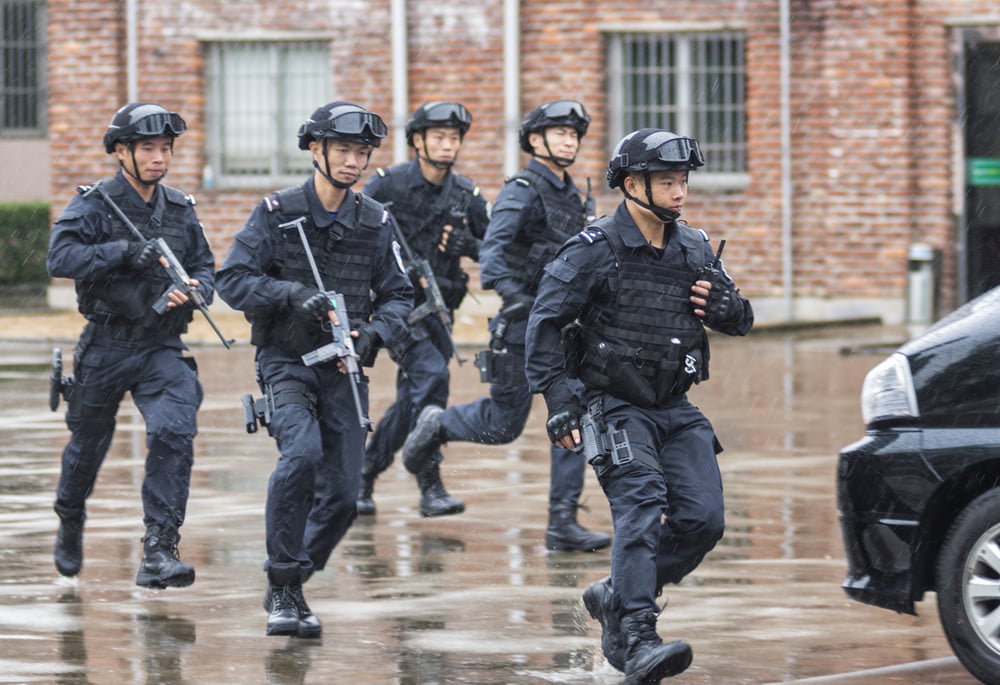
(434, 302)
(342, 347)
(178, 276)
(590, 206)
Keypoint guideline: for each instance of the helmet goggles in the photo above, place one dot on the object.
(351, 123)
(564, 109)
(673, 150)
(448, 114)
(159, 124)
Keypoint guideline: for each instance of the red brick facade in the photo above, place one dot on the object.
(872, 107)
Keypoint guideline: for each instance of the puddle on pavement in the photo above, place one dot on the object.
(473, 598)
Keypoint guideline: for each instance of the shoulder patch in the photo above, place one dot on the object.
(380, 171)
(272, 203)
(465, 183)
(592, 235)
(177, 197)
(521, 180)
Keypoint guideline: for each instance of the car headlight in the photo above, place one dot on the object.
(888, 392)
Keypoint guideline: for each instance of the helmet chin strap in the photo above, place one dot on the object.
(329, 176)
(135, 165)
(662, 213)
(433, 162)
(561, 162)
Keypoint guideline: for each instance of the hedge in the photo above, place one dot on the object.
(24, 239)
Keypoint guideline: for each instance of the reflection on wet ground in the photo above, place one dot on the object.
(473, 598)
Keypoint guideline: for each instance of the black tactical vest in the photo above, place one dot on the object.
(345, 265)
(652, 303)
(421, 218)
(121, 297)
(563, 219)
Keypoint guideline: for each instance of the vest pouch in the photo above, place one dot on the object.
(601, 369)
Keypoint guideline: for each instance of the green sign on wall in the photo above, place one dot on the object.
(984, 171)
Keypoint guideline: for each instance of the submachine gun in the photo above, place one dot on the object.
(178, 276)
(434, 303)
(342, 346)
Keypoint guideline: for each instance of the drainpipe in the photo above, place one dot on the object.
(786, 162)
(511, 85)
(400, 80)
(132, 50)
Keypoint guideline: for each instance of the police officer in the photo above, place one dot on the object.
(630, 298)
(535, 212)
(443, 218)
(126, 345)
(268, 275)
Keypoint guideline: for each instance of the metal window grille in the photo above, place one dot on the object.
(258, 93)
(690, 83)
(23, 65)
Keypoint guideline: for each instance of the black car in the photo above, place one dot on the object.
(919, 494)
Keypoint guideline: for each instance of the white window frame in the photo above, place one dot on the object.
(689, 114)
(261, 149)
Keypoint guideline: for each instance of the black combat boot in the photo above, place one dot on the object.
(566, 535)
(434, 499)
(160, 566)
(69, 545)
(365, 503)
(599, 600)
(424, 440)
(283, 616)
(309, 625)
(647, 659)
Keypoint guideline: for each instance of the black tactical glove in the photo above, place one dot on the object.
(517, 306)
(139, 255)
(309, 303)
(723, 305)
(561, 424)
(367, 344)
(565, 410)
(461, 243)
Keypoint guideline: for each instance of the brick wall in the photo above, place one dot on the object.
(872, 105)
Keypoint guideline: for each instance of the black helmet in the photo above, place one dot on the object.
(142, 120)
(443, 114)
(652, 149)
(557, 113)
(343, 121)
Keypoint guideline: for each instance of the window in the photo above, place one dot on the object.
(690, 83)
(22, 63)
(258, 93)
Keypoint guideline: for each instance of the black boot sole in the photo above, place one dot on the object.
(287, 628)
(444, 511)
(674, 664)
(556, 545)
(155, 582)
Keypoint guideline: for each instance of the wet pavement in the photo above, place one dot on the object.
(473, 598)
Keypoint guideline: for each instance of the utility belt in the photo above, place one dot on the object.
(599, 367)
(123, 332)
